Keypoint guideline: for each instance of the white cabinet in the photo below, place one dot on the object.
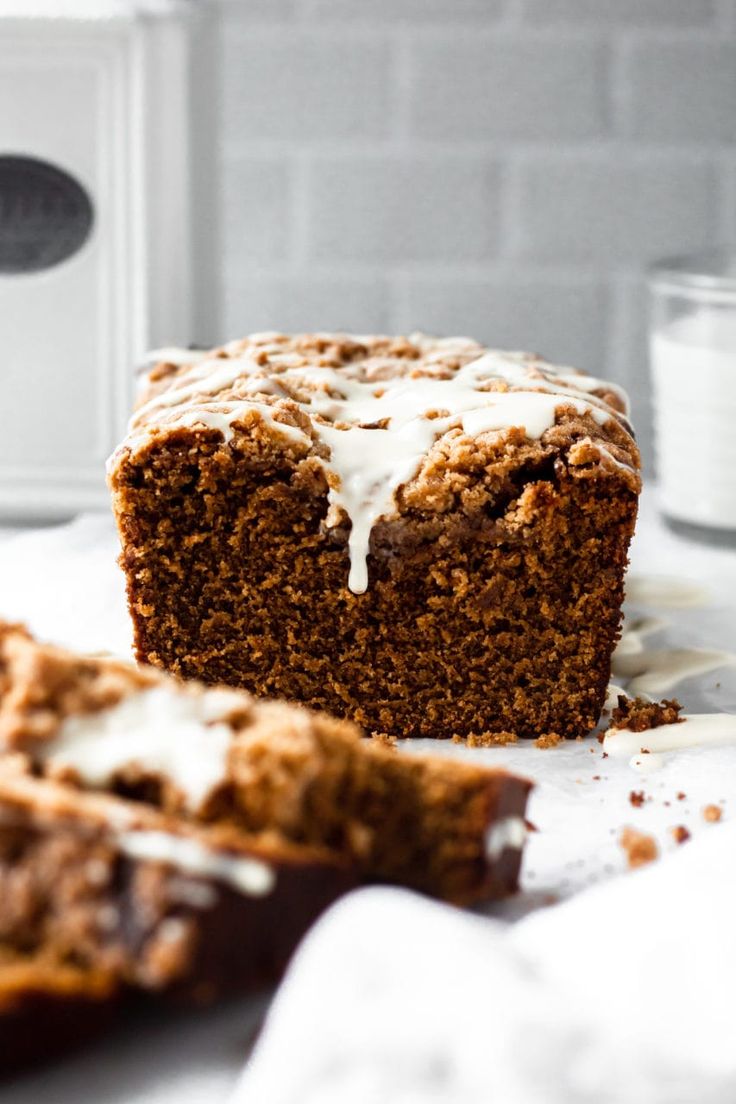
(95, 232)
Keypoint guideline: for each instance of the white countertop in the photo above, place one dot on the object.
(64, 583)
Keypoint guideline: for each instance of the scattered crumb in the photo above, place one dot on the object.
(605, 755)
(639, 847)
(548, 740)
(486, 739)
(681, 796)
(638, 714)
(667, 803)
(384, 738)
(637, 798)
(596, 778)
(712, 813)
(680, 833)
(530, 826)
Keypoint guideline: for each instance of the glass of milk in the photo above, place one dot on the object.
(692, 349)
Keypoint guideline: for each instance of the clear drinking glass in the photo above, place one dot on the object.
(692, 349)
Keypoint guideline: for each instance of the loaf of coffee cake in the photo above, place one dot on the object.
(424, 536)
(219, 761)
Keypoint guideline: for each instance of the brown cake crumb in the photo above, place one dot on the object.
(712, 813)
(681, 795)
(640, 848)
(638, 714)
(548, 740)
(486, 739)
(637, 798)
(680, 833)
(384, 738)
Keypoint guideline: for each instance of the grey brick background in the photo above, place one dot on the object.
(502, 168)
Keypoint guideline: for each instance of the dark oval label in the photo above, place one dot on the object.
(46, 215)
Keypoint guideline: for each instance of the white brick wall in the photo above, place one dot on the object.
(504, 168)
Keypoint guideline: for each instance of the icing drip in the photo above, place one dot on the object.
(613, 693)
(646, 763)
(378, 425)
(665, 592)
(635, 633)
(248, 876)
(161, 731)
(659, 670)
(695, 730)
(504, 834)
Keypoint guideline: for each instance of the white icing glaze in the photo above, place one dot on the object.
(695, 730)
(646, 763)
(656, 671)
(665, 592)
(613, 692)
(162, 731)
(378, 430)
(248, 876)
(507, 833)
(635, 633)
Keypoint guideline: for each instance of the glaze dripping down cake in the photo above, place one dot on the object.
(422, 535)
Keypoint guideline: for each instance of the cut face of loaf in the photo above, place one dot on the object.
(219, 760)
(423, 536)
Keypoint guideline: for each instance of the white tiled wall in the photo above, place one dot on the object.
(503, 168)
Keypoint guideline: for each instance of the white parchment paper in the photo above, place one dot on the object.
(63, 582)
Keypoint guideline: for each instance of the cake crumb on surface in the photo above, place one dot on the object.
(637, 798)
(640, 847)
(638, 714)
(548, 740)
(681, 795)
(680, 833)
(384, 738)
(486, 739)
(712, 813)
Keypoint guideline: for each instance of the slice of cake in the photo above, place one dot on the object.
(424, 536)
(220, 761)
(48, 1007)
(121, 891)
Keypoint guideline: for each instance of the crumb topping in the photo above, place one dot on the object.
(375, 412)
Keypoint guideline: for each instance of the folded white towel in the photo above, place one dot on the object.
(624, 993)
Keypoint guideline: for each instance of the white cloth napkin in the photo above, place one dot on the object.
(624, 993)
